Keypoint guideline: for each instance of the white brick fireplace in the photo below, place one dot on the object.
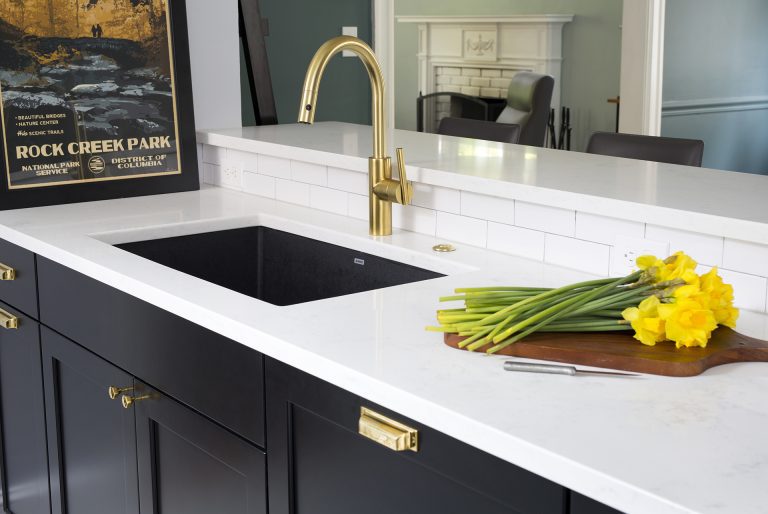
(478, 55)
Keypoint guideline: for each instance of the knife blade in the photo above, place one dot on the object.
(560, 369)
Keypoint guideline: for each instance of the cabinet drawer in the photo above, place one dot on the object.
(18, 286)
(311, 423)
(215, 376)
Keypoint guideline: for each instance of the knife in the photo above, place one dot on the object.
(560, 369)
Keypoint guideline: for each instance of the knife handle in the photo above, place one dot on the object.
(553, 369)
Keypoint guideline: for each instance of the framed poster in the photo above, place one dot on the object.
(95, 100)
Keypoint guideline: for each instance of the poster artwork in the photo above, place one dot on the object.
(87, 91)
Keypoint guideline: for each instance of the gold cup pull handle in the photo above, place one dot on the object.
(406, 188)
(387, 432)
(130, 400)
(6, 272)
(114, 392)
(8, 320)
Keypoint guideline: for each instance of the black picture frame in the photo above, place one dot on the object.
(187, 180)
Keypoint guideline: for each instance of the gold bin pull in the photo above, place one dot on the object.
(387, 432)
(6, 272)
(8, 320)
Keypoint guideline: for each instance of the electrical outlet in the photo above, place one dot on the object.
(232, 174)
(626, 250)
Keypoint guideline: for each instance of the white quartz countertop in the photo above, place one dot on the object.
(721, 203)
(643, 445)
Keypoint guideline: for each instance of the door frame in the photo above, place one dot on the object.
(642, 66)
(642, 61)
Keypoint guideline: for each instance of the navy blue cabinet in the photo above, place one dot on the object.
(23, 452)
(197, 423)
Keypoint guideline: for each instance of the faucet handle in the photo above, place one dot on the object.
(406, 188)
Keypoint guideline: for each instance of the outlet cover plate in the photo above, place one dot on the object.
(627, 249)
(232, 174)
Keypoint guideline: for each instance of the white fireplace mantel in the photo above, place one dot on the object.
(517, 43)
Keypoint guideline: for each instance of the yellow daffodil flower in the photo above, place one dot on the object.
(649, 327)
(719, 298)
(687, 322)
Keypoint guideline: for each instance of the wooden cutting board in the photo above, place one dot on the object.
(619, 350)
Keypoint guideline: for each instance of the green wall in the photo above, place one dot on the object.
(591, 53)
(716, 50)
(296, 29)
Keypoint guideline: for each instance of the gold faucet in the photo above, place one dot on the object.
(383, 190)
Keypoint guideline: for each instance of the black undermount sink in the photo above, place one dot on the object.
(277, 267)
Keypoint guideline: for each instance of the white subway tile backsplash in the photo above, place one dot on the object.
(544, 218)
(746, 257)
(200, 165)
(510, 226)
(214, 154)
(211, 173)
(489, 208)
(292, 192)
(703, 248)
(749, 291)
(261, 185)
(415, 219)
(437, 198)
(577, 254)
(273, 166)
(309, 173)
(602, 229)
(327, 199)
(348, 180)
(516, 241)
(245, 161)
(357, 206)
(462, 229)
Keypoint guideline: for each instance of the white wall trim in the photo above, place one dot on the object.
(642, 65)
(713, 105)
(481, 18)
(384, 47)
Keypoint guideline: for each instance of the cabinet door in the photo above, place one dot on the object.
(24, 465)
(91, 437)
(189, 464)
(319, 464)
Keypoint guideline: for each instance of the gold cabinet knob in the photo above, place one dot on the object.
(130, 400)
(6, 272)
(387, 432)
(8, 320)
(114, 392)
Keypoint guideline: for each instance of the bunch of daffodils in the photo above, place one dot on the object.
(663, 300)
(689, 308)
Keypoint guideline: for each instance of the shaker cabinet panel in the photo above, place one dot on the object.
(189, 464)
(320, 464)
(196, 366)
(23, 463)
(91, 437)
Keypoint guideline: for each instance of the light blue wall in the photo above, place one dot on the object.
(716, 59)
(591, 53)
(296, 29)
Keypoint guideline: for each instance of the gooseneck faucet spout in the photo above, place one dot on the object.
(383, 190)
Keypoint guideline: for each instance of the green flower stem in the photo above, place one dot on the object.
(556, 311)
(502, 314)
(500, 288)
(472, 339)
(612, 328)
